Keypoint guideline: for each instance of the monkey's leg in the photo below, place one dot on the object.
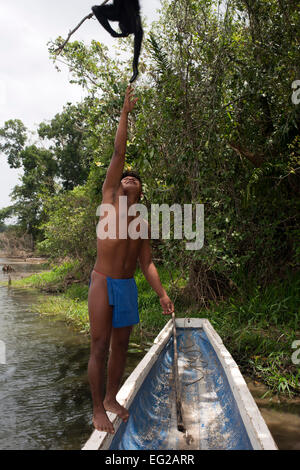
(105, 13)
(138, 38)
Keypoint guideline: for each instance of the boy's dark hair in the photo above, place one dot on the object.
(132, 173)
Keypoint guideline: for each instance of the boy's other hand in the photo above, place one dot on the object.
(130, 100)
(167, 305)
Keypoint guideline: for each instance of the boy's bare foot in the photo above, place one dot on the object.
(102, 423)
(115, 407)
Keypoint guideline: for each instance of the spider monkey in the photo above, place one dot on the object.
(127, 13)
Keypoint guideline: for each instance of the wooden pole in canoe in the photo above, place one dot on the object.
(180, 425)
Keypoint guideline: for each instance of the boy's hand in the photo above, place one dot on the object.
(129, 101)
(167, 305)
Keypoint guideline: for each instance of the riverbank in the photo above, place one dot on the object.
(15, 243)
(258, 327)
(26, 257)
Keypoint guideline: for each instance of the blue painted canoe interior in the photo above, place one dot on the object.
(210, 411)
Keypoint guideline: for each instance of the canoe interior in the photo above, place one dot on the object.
(210, 411)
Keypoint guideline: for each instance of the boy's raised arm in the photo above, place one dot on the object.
(116, 167)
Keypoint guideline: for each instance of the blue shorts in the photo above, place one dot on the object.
(123, 297)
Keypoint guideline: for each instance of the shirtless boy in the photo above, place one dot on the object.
(112, 297)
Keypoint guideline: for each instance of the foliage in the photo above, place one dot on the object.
(70, 229)
(69, 137)
(39, 168)
(221, 89)
(5, 213)
(13, 137)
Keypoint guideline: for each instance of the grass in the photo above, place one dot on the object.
(258, 327)
(71, 303)
(53, 279)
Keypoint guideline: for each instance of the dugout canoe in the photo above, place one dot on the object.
(219, 411)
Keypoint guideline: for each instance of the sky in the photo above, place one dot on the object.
(30, 87)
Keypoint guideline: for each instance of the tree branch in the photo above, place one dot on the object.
(255, 159)
(60, 48)
(87, 17)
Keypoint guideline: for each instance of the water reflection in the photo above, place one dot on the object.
(282, 416)
(44, 395)
(21, 268)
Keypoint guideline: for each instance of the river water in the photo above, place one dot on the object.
(45, 400)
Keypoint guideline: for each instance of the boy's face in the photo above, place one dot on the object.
(132, 185)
